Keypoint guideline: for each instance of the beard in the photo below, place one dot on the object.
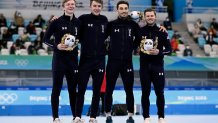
(150, 23)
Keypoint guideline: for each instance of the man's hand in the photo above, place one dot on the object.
(53, 18)
(163, 29)
(154, 51)
(62, 46)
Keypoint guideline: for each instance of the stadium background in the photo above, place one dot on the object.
(192, 82)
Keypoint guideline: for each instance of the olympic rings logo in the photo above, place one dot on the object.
(8, 98)
(21, 62)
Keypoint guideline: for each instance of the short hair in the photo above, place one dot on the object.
(98, 1)
(122, 2)
(150, 10)
(64, 1)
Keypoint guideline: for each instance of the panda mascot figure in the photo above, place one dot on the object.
(135, 16)
(70, 41)
(148, 44)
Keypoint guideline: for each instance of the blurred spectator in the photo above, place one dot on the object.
(3, 44)
(6, 35)
(39, 21)
(31, 49)
(201, 25)
(25, 37)
(17, 45)
(42, 33)
(18, 18)
(38, 44)
(12, 28)
(174, 44)
(176, 34)
(30, 28)
(187, 51)
(210, 40)
(50, 51)
(159, 5)
(3, 22)
(180, 40)
(212, 30)
(189, 4)
(196, 32)
(167, 24)
(214, 23)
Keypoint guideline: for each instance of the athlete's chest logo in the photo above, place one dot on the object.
(76, 30)
(64, 28)
(130, 32)
(90, 25)
(116, 30)
(102, 28)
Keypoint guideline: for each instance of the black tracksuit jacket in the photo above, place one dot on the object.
(93, 35)
(122, 35)
(64, 63)
(92, 59)
(58, 28)
(152, 69)
(151, 32)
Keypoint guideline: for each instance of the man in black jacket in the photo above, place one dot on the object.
(65, 61)
(153, 46)
(122, 32)
(92, 59)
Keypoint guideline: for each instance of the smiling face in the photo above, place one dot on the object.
(69, 6)
(96, 7)
(123, 10)
(150, 17)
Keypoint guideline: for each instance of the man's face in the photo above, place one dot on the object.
(69, 7)
(150, 18)
(96, 8)
(123, 10)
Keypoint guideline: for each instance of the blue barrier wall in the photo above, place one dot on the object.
(172, 63)
(37, 102)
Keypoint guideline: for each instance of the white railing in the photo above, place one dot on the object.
(204, 13)
(207, 10)
(48, 82)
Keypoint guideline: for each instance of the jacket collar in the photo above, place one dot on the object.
(68, 17)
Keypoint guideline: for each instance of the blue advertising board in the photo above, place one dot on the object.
(35, 100)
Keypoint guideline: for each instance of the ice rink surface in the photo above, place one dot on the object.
(116, 119)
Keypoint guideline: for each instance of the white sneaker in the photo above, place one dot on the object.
(147, 120)
(161, 120)
(57, 120)
(93, 120)
(78, 120)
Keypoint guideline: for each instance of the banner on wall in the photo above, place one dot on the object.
(43, 97)
(13, 62)
(56, 4)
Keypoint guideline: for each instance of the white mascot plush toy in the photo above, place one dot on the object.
(69, 40)
(135, 15)
(148, 45)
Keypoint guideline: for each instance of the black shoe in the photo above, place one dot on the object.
(130, 120)
(109, 119)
